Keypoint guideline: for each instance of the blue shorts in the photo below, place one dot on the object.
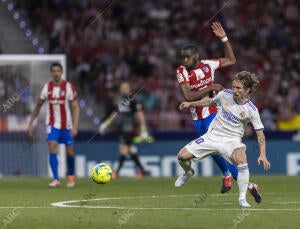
(202, 125)
(60, 136)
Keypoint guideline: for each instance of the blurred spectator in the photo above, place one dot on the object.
(139, 41)
(148, 98)
(59, 27)
(169, 118)
(267, 115)
(82, 73)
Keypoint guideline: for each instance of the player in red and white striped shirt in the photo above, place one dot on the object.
(61, 128)
(196, 82)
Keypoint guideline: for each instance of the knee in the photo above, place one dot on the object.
(123, 149)
(240, 159)
(180, 156)
(184, 155)
(241, 162)
(53, 149)
(70, 152)
(239, 156)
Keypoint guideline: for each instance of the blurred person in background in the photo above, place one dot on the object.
(60, 126)
(127, 110)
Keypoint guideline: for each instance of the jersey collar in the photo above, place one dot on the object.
(238, 102)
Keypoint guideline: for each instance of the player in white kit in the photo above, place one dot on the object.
(224, 136)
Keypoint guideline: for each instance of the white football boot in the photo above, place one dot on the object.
(54, 184)
(184, 178)
(244, 204)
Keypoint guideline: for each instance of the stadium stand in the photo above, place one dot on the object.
(140, 41)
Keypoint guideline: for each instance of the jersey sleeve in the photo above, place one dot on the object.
(182, 75)
(71, 92)
(43, 93)
(217, 99)
(256, 121)
(213, 63)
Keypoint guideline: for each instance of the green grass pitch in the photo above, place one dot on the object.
(147, 203)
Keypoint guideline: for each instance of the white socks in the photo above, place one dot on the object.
(243, 180)
(186, 165)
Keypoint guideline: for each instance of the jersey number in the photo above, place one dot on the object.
(199, 140)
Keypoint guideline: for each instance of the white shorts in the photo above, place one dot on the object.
(203, 146)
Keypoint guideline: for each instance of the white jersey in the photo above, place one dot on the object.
(232, 118)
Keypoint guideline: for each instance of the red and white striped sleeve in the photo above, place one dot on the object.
(44, 92)
(71, 92)
(213, 63)
(182, 75)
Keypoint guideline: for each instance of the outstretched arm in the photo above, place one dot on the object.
(229, 58)
(262, 148)
(111, 118)
(190, 95)
(206, 102)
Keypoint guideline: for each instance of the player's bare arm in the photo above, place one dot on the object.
(141, 117)
(206, 102)
(34, 114)
(262, 147)
(111, 118)
(76, 111)
(229, 58)
(143, 127)
(196, 95)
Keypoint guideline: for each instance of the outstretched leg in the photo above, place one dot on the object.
(184, 160)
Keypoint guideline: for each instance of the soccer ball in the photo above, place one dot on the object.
(101, 173)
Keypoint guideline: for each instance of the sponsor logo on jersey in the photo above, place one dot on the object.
(124, 105)
(227, 115)
(62, 92)
(201, 83)
(123, 108)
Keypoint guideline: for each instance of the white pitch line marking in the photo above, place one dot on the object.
(65, 204)
(152, 208)
(286, 202)
(25, 207)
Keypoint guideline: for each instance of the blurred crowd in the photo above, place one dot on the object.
(14, 86)
(140, 41)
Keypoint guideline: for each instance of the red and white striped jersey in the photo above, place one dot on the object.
(58, 108)
(199, 78)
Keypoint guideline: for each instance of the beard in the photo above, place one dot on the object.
(193, 65)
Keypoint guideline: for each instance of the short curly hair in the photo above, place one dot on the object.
(248, 79)
(193, 48)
